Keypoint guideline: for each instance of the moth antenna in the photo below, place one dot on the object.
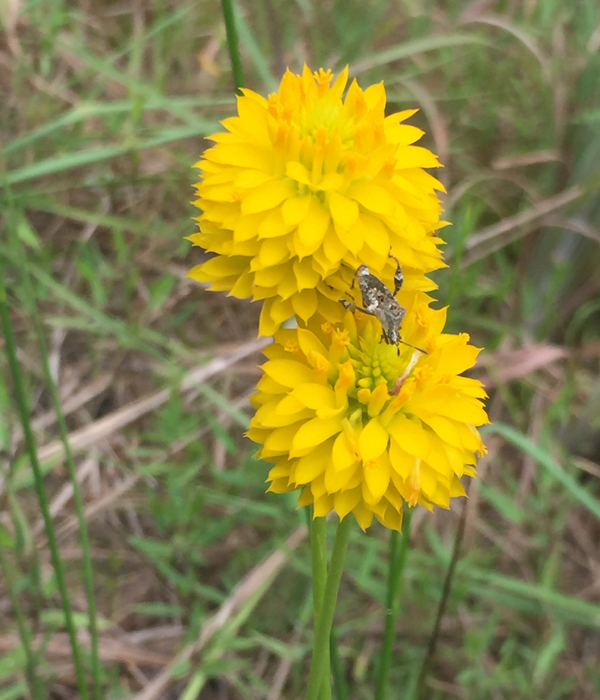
(414, 347)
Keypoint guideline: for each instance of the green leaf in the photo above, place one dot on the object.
(521, 441)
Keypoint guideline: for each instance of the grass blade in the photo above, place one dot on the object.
(33, 681)
(88, 575)
(39, 483)
(546, 460)
(398, 551)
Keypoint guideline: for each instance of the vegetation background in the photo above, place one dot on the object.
(104, 106)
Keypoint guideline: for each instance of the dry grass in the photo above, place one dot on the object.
(202, 579)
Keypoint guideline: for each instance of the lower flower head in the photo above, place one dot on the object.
(363, 428)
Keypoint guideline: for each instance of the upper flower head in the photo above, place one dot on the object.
(307, 185)
(363, 428)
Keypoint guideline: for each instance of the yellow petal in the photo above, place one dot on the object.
(280, 486)
(272, 225)
(456, 488)
(330, 182)
(428, 480)
(342, 480)
(306, 497)
(306, 276)
(372, 441)
(280, 440)
(281, 310)
(323, 506)
(244, 287)
(354, 237)
(269, 416)
(312, 228)
(377, 475)
(313, 433)
(247, 179)
(266, 325)
(314, 396)
(455, 360)
(289, 405)
(246, 227)
(313, 465)
(344, 211)
(310, 343)
(294, 210)
(377, 238)
(219, 266)
(273, 251)
(402, 462)
(288, 372)
(345, 501)
(240, 155)
(266, 196)
(377, 400)
(409, 435)
(271, 276)
(343, 453)
(298, 172)
(403, 135)
(463, 408)
(288, 286)
(305, 303)
(446, 429)
(392, 519)
(373, 197)
(364, 516)
(416, 157)
(280, 470)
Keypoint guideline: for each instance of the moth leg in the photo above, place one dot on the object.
(398, 276)
(351, 306)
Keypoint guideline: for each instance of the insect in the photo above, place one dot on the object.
(379, 301)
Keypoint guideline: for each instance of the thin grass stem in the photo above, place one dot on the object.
(88, 574)
(336, 566)
(21, 397)
(397, 561)
(431, 647)
(33, 680)
(233, 44)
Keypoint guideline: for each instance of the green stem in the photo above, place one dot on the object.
(233, 44)
(35, 688)
(39, 483)
(318, 543)
(336, 566)
(398, 550)
(337, 670)
(88, 574)
(442, 605)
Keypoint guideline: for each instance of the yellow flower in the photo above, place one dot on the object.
(363, 429)
(305, 186)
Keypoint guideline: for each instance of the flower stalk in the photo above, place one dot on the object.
(318, 540)
(320, 660)
(233, 44)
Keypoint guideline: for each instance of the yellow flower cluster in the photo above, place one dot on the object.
(299, 192)
(305, 186)
(362, 428)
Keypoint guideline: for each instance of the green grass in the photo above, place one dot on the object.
(108, 104)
